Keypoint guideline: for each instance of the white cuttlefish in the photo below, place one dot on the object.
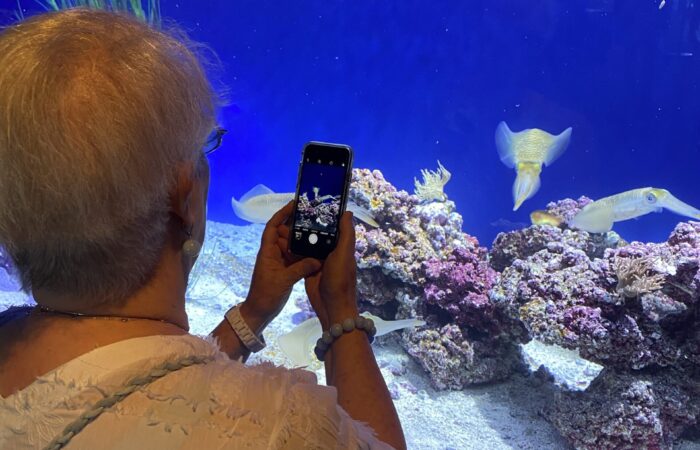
(260, 203)
(599, 216)
(298, 344)
(526, 151)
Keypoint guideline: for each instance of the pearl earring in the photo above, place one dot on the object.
(191, 247)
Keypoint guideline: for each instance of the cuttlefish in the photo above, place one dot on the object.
(260, 203)
(599, 216)
(298, 344)
(526, 151)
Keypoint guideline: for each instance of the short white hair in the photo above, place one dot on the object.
(96, 111)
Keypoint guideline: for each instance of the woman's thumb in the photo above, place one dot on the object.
(304, 268)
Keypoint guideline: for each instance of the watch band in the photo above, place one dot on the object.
(246, 335)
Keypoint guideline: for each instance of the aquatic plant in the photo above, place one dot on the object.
(148, 12)
(433, 184)
(634, 277)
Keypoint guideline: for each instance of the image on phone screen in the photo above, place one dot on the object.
(320, 198)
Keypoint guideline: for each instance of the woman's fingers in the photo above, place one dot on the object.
(302, 269)
(271, 228)
(346, 239)
(283, 231)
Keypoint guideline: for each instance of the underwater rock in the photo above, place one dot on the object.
(636, 311)
(566, 298)
(628, 410)
(521, 244)
(419, 264)
(454, 361)
(459, 286)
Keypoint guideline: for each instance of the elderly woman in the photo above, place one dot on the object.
(104, 128)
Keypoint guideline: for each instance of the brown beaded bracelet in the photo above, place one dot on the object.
(336, 330)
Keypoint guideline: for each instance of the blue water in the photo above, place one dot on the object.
(406, 83)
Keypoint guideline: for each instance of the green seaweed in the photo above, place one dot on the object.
(150, 13)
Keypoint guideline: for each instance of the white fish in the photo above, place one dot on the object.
(599, 216)
(662, 4)
(259, 204)
(526, 151)
(298, 344)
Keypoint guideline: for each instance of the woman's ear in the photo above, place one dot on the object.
(182, 191)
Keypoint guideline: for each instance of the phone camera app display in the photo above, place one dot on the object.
(320, 198)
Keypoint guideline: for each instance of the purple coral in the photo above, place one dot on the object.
(459, 286)
(419, 263)
(627, 411)
(645, 337)
(523, 243)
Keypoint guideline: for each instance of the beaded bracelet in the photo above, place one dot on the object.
(336, 330)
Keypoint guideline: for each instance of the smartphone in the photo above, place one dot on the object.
(324, 178)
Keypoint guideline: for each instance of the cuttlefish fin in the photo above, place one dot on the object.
(526, 184)
(258, 190)
(671, 203)
(558, 145)
(297, 344)
(594, 218)
(504, 144)
(387, 326)
(362, 214)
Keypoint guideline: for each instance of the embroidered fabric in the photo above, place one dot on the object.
(220, 404)
(101, 406)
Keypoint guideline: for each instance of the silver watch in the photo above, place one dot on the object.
(246, 335)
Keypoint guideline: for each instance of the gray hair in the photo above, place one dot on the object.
(96, 111)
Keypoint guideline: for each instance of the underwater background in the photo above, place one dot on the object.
(408, 83)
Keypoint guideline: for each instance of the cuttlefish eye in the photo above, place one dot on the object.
(651, 198)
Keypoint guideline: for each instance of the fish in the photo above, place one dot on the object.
(259, 204)
(599, 216)
(526, 151)
(542, 217)
(298, 344)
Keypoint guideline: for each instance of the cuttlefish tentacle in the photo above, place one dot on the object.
(527, 183)
(526, 151)
(673, 204)
(599, 216)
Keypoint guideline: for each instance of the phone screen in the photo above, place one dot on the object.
(320, 199)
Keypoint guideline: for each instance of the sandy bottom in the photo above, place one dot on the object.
(497, 416)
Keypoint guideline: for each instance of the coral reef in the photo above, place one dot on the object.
(632, 308)
(419, 263)
(433, 184)
(628, 411)
(612, 316)
(635, 310)
(520, 244)
(319, 213)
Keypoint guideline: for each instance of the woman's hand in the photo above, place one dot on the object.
(332, 290)
(275, 273)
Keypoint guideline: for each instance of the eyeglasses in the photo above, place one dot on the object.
(214, 140)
